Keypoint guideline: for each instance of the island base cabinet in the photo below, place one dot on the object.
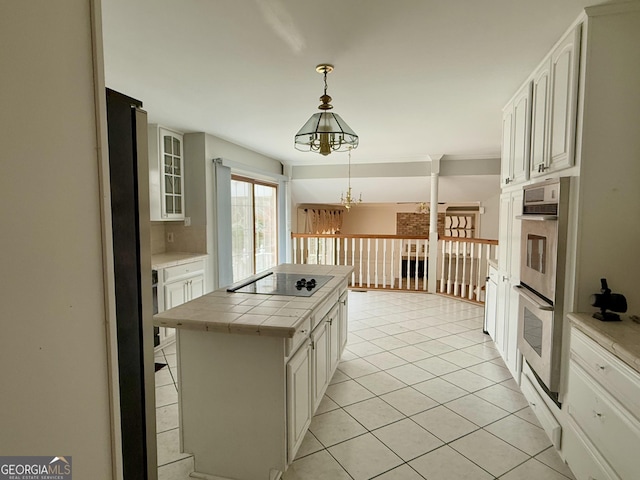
(246, 401)
(232, 401)
(299, 408)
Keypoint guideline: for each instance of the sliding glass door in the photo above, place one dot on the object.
(254, 226)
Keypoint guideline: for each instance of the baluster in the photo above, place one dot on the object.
(449, 266)
(443, 246)
(376, 265)
(415, 273)
(400, 253)
(425, 268)
(472, 273)
(384, 262)
(457, 277)
(368, 262)
(295, 250)
(360, 280)
(393, 251)
(463, 283)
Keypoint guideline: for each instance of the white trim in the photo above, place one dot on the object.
(247, 170)
(102, 155)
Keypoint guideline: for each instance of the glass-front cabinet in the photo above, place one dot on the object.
(166, 166)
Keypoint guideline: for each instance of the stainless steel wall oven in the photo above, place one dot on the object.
(541, 289)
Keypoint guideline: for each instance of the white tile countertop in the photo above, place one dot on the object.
(255, 314)
(621, 338)
(171, 259)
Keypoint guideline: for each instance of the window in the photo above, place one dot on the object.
(254, 226)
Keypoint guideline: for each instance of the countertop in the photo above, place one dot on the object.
(254, 314)
(171, 259)
(621, 338)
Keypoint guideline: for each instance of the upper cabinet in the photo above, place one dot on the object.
(166, 174)
(516, 135)
(555, 91)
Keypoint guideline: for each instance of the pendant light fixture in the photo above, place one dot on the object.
(325, 132)
(347, 200)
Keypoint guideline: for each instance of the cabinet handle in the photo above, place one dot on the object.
(601, 367)
(313, 345)
(344, 302)
(597, 414)
(505, 278)
(303, 332)
(330, 321)
(507, 181)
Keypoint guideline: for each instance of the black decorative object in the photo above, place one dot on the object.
(608, 301)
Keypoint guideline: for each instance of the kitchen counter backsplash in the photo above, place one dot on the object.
(185, 239)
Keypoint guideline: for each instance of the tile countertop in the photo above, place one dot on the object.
(171, 259)
(255, 314)
(622, 338)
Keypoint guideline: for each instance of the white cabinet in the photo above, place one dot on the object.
(516, 138)
(343, 311)
(166, 174)
(555, 97)
(508, 276)
(320, 372)
(299, 399)
(181, 291)
(326, 352)
(179, 284)
(602, 404)
(491, 302)
(247, 400)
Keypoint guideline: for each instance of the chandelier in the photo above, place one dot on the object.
(325, 132)
(422, 208)
(347, 200)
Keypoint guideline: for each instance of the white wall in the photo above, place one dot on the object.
(53, 345)
(374, 219)
(489, 220)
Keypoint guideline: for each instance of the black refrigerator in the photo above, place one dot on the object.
(129, 179)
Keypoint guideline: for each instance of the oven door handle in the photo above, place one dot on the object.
(541, 305)
(537, 218)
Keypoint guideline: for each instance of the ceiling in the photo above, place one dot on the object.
(411, 78)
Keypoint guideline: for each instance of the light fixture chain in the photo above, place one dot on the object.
(325, 81)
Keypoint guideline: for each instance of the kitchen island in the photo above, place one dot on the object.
(253, 369)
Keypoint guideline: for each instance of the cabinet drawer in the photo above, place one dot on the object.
(542, 412)
(618, 379)
(302, 333)
(585, 462)
(610, 428)
(180, 271)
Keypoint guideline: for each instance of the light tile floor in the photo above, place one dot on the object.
(420, 393)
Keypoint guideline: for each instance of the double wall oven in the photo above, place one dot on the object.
(541, 289)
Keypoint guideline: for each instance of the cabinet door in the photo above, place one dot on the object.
(299, 409)
(512, 308)
(196, 287)
(521, 134)
(175, 294)
(320, 361)
(491, 303)
(506, 163)
(540, 120)
(343, 316)
(172, 174)
(334, 340)
(565, 64)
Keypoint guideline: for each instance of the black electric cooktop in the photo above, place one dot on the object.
(293, 284)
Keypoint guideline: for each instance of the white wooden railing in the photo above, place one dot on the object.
(464, 266)
(401, 263)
